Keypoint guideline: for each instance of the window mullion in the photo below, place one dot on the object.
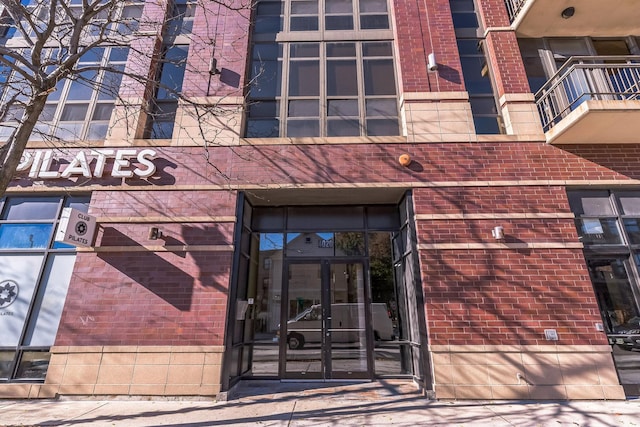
(36, 289)
(361, 94)
(284, 89)
(323, 89)
(93, 100)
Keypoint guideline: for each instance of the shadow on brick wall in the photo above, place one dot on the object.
(162, 273)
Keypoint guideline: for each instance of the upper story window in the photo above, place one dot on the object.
(80, 107)
(331, 72)
(544, 57)
(117, 19)
(329, 15)
(566, 72)
(476, 72)
(40, 46)
(180, 20)
(163, 107)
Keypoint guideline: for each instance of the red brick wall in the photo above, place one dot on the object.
(502, 49)
(493, 13)
(508, 297)
(622, 158)
(349, 163)
(423, 27)
(431, 163)
(170, 297)
(507, 67)
(503, 296)
(146, 297)
(221, 31)
(496, 200)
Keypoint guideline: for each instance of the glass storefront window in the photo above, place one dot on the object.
(34, 364)
(590, 203)
(613, 291)
(18, 280)
(267, 303)
(632, 228)
(310, 244)
(607, 227)
(33, 282)
(599, 230)
(28, 208)
(349, 244)
(325, 244)
(391, 354)
(24, 236)
(6, 363)
(630, 203)
(47, 310)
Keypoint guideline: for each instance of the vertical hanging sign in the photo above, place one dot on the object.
(76, 228)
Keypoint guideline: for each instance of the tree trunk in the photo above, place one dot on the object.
(11, 152)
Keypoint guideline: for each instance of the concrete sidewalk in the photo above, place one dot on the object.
(368, 404)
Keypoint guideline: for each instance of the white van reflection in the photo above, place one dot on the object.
(347, 324)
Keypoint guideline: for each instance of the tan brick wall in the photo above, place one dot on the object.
(543, 372)
(127, 371)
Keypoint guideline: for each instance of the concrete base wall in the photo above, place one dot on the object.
(168, 371)
(539, 372)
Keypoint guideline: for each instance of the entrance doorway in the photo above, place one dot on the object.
(325, 293)
(328, 327)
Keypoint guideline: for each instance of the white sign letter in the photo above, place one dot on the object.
(78, 165)
(122, 161)
(145, 158)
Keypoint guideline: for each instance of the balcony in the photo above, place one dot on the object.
(592, 100)
(597, 18)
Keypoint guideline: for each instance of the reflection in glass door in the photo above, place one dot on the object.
(620, 315)
(326, 334)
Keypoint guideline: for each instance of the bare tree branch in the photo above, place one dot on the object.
(55, 49)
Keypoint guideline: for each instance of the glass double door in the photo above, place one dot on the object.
(326, 321)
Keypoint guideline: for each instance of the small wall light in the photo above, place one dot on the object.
(568, 12)
(213, 67)
(498, 232)
(155, 233)
(431, 62)
(405, 160)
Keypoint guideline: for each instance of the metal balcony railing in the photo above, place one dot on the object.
(584, 78)
(514, 7)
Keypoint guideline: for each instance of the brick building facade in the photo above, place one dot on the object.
(288, 214)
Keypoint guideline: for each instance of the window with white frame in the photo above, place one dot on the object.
(35, 272)
(330, 73)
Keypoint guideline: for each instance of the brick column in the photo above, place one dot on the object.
(129, 119)
(213, 113)
(501, 47)
(434, 103)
